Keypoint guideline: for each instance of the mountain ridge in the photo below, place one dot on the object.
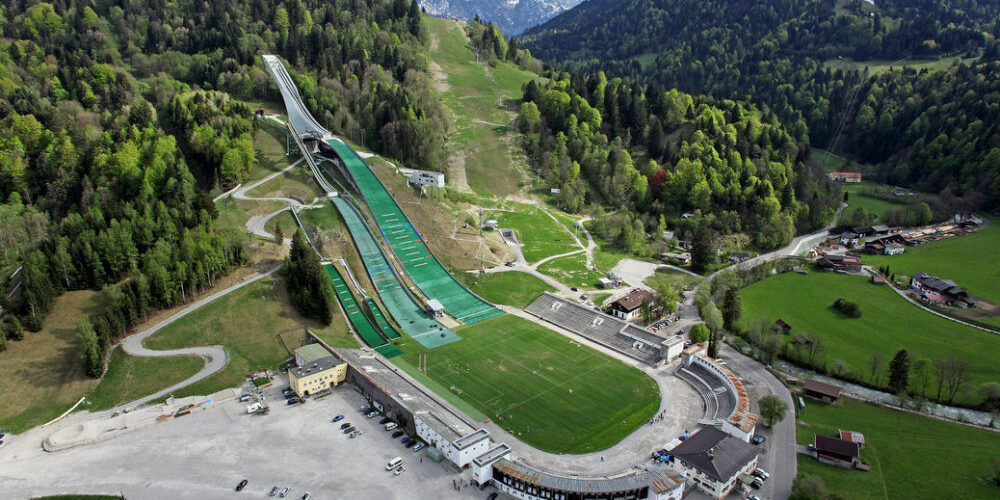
(512, 16)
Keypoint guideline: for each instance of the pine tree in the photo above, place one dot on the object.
(899, 371)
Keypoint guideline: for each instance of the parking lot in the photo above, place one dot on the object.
(207, 453)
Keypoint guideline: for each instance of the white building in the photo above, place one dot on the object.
(465, 449)
(714, 461)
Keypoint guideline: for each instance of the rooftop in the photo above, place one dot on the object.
(311, 352)
(471, 439)
(823, 388)
(849, 175)
(314, 367)
(836, 446)
(715, 453)
(852, 436)
(658, 481)
(389, 379)
(633, 300)
(492, 455)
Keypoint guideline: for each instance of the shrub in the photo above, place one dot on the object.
(847, 308)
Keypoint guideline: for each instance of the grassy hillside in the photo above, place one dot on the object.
(888, 323)
(480, 103)
(910, 456)
(511, 288)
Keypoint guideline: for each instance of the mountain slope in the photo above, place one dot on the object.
(512, 16)
(809, 62)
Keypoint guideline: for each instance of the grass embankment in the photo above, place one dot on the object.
(480, 102)
(541, 235)
(572, 271)
(552, 393)
(512, 288)
(888, 324)
(970, 261)
(910, 456)
(127, 378)
(257, 326)
(665, 276)
(43, 375)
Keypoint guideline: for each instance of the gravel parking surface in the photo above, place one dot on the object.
(205, 454)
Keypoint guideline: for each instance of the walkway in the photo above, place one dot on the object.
(256, 224)
(215, 357)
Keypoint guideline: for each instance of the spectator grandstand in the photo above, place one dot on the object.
(626, 338)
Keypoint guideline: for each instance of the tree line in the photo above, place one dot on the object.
(658, 155)
(923, 129)
(118, 117)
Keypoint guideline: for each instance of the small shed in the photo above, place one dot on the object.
(782, 326)
(435, 308)
(822, 391)
(835, 451)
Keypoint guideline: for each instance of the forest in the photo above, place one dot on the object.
(119, 117)
(774, 52)
(669, 159)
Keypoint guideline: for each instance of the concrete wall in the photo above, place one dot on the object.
(392, 408)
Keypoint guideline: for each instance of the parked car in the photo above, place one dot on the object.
(418, 446)
(391, 425)
(371, 414)
(354, 434)
(345, 425)
(761, 473)
(399, 470)
(385, 420)
(411, 443)
(509, 264)
(287, 390)
(243, 484)
(758, 439)
(284, 491)
(306, 496)
(493, 496)
(575, 289)
(338, 418)
(753, 497)
(757, 483)
(274, 491)
(293, 401)
(244, 397)
(406, 440)
(397, 434)
(350, 430)
(364, 408)
(289, 395)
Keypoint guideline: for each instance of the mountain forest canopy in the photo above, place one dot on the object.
(118, 117)
(927, 129)
(662, 156)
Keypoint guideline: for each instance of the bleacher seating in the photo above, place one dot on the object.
(596, 326)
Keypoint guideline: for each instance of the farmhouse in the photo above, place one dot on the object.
(713, 460)
(933, 287)
(629, 306)
(835, 262)
(846, 177)
(852, 436)
(821, 390)
(739, 257)
(849, 238)
(835, 451)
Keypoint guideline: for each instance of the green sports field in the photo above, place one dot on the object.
(888, 323)
(547, 390)
(910, 456)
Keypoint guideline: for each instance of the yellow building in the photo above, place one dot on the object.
(315, 371)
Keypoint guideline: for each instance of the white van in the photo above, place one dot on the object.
(393, 463)
(390, 426)
(251, 408)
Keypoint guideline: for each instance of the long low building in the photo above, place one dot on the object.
(523, 482)
(629, 339)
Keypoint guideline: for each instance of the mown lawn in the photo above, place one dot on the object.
(888, 324)
(541, 235)
(858, 200)
(550, 392)
(512, 288)
(666, 276)
(572, 271)
(126, 379)
(973, 261)
(910, 456)
(257, 326)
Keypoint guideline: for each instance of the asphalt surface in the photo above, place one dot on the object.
(779, 451)
(215, 356)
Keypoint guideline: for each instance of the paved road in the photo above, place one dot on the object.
(779, 452)
(215, 356)
(256, 223)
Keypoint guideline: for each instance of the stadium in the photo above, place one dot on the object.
(505, 391)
